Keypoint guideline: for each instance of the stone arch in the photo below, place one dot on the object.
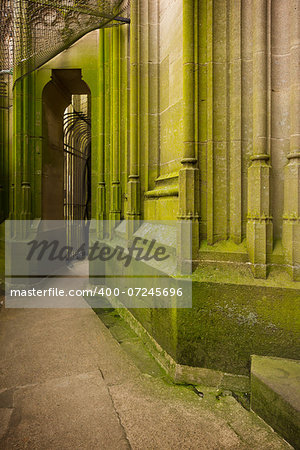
(57, 96)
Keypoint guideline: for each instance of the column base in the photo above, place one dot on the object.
(26, 204)
(101, 210)
(291, 244)
(134, 200)
(188, 219)
(187, 245)
(259, 243)
(115, 213)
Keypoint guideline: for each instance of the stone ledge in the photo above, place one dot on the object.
(275, 395)
(183, 374)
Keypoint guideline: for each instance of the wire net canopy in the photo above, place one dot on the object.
(34, 31)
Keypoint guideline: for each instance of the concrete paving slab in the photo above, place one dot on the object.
(65, 382)
(65, 413)
(40, 344)
(5, 415)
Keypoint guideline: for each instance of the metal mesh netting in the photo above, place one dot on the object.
(33, 31)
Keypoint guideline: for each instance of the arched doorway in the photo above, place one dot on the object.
(66, 192)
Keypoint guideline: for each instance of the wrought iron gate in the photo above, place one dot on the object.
(77, 169)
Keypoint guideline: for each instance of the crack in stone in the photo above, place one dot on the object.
(115, 409)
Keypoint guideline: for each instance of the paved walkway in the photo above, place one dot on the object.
(65, 383)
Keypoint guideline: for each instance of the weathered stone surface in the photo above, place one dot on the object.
(275, 395)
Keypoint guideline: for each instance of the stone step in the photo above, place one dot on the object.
(275, 395)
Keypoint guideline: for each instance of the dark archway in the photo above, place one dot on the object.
(65, 127)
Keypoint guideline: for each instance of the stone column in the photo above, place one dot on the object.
(291, 217)
(209, 124)
(101, 155)
(3, 96)
(21, 186)
(259, 226)
(3, 111)
(188, 218)
(154, 138)
(26, 186)
(26, 106)
(115, 212)
(280, 106)
(134, 208)
(235, 107)
(16, 160)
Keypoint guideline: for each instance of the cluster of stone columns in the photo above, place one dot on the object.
(275, 127)
(114, 119)
(134, 194)
(247, 73)
(15, 135)
(112, 124)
